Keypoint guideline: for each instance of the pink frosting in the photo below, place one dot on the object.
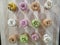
(35, 37)
(23, 6)
(23, 23)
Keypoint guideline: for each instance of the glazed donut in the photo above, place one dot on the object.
(48, 4)
(12, 6)
(11, 22)
(23, 22)
(24, 38)
(47, 38)
(23, 6)
(12, 38)
(35, 6)
(36, 23)
(47, 22)
(35, 37)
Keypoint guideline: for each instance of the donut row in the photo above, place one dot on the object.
(35, 6)
(24, 22)
(24, 38)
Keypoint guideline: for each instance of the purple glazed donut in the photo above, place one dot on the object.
(23, 23)
(35, 36)
(23, 6)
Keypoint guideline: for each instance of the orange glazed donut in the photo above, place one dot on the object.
(47, 22)
(12, 38)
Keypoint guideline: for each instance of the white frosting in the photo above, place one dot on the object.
(47, 38)
(48, 4)
(11, 22)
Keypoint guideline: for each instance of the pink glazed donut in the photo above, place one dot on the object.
(23, 23)
(23, 6)
(35, 36)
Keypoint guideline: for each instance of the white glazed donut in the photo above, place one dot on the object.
(47, 38)
(48, 4)
(11, 22)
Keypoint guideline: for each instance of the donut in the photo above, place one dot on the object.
(11, 22)
(35, 6)
(47, 22)
(35, 37)
(48, 4)
(24, 38)
(35, 23)
(46, 38)
(12, 38)
(23, 6)
(23, 23)
(12, 6)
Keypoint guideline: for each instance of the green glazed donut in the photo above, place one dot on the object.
(23, 38)
(36, 23)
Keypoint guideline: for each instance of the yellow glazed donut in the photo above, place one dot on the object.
(47, 22)
(12, 38)
(35, 6)
(12, 6)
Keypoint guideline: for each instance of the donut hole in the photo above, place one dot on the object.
(12, 40)
(24, 39)
(35, 23)
(11, 22)
(48, 22)
(23, 5)
(35, 5)
(49, 4)
(23, 22)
